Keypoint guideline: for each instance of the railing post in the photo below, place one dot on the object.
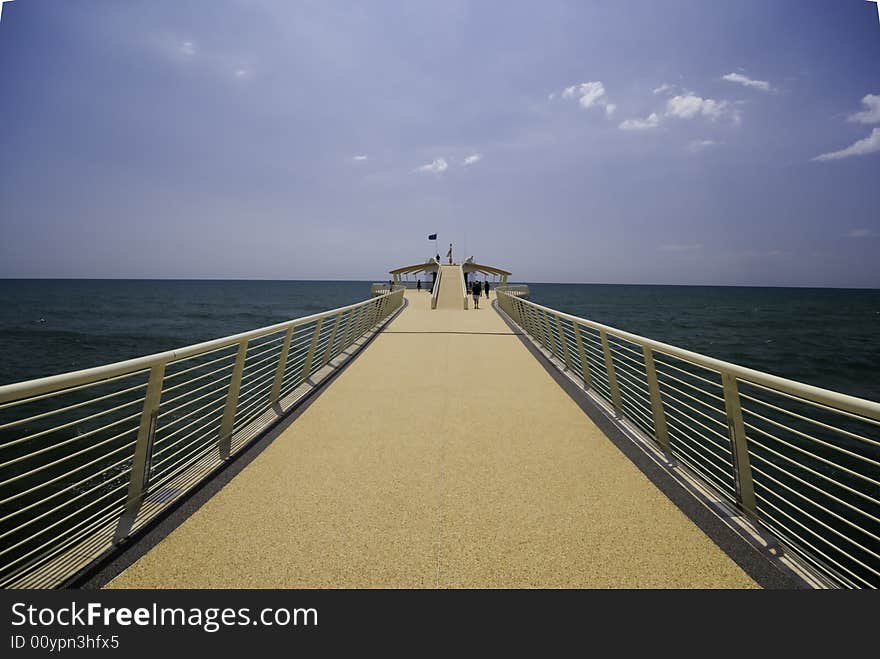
(542, 330)
(228, 420)
(139, 481)
(361, 323)
(282, 363)
(310, 355)
(564, 343)
(538, 329)
(612, 377)
(742, 469)
(530, 322)
(523, 316)
(545, 325)
(582, 355)
(660, 430)
(327, 352)
(371, 316)
(348, 327)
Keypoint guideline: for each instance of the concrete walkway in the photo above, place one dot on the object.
(451, 293)
(444, 456)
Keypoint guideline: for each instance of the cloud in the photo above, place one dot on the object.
(187, 48)
(691, 105)
(745, 81)
(870, 144)
(862, 233)
(473, 158)
(437, 166)
(684, 106)
(651, 121)
(359, 158)
(695, 146)
(551, 96)
(589, 95)
(677, 247)
(665, 88)
(240, 73)
(872, 114)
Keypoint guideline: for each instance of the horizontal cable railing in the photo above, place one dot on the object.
(88, 458)
(799, 461)
(517, 290)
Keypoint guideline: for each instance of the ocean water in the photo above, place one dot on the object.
(824, 337)
(88, 323)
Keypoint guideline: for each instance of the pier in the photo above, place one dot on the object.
(443, 456)
(413, 441)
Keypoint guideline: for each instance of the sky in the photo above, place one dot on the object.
(600, 141)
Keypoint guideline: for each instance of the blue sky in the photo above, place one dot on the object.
(649, 141)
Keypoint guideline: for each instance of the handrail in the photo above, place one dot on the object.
(436, 292)
(77, 467)
(799, 461)
(852, 404)
(53, 383)
(464, 291)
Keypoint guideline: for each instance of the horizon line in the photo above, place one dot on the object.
(568, 283)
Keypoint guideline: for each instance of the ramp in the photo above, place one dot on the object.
(451, 294)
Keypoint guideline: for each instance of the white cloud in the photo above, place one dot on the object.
(678, 247)
(664, 88)
(745, 81)
(862, 233)
(589, 95)
(473, 158)
(872, 114)
(652, 121)
(551, 96)
(691, 105)
(870, 144)
(359, 158)
(695, 146)
(241, 73)
(437, 166)
(187, 48)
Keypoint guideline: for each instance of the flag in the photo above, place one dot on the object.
(433, 236)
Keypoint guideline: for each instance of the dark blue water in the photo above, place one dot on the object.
(94, 322)
(825, 337)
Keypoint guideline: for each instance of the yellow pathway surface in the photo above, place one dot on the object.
(451, 293)
(443, 456)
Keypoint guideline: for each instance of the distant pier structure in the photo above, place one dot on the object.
(447, 283)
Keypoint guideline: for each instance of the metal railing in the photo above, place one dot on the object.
(464, 291)
(88, 458)
(517, 290)
(798, 461)
(436, 291)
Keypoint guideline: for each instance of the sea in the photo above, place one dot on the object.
(824, 337)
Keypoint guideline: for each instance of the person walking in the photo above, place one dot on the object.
(419, 286)
(486, 287)
(476, 293)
